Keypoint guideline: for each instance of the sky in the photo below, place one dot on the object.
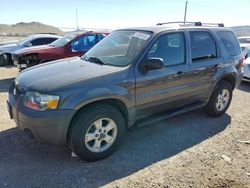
(113, 14)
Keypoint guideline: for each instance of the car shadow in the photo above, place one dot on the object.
(5, 84)
(244, 86)
(27, 163)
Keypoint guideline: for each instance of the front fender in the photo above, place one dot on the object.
(81, 99)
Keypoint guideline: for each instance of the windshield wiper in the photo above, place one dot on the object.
(94, 60)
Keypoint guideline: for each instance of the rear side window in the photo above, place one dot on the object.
(49, 40)
(37, 42)
(202, 45)
(230, 42)
(42, 41)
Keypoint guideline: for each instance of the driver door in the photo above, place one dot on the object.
(82, 44)
(161, 89)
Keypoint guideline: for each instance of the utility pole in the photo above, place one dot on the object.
(77, 26)
(185, 14)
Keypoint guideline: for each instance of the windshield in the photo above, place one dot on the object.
(64, 40)
(25, 40)
(119, 48)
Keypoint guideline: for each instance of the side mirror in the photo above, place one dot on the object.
(153, 63)
(28, 44)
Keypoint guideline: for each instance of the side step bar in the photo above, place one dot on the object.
(170, 113)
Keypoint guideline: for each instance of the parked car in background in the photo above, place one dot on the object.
(245, 39)
(73, 44)
(246, 53)
(6, 51)
(9, 42)
(133, 76)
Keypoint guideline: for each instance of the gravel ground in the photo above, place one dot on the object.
(189, 150)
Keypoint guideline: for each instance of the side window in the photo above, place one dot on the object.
(230, 42)
(169, 47)
(37, 42)
(49, 40)
(101, 36)
(203, 46)
(83, 43)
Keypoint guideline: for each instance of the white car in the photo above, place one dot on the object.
(244, 40)
(246, 52)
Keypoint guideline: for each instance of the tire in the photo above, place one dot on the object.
(217, 104)
(5, 60)
(85, 124)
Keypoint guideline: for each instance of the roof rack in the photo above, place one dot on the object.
(193, 24)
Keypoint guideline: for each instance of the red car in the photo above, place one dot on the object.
(73, 44)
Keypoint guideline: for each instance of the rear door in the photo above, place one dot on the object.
(206, 62)
(162, 89)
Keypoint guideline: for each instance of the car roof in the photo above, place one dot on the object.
(78, 33)
(158, 29)
(44, 36)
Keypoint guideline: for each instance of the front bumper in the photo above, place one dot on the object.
(16, 61)
(46, 126)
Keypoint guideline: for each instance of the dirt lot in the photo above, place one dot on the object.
(190, 150)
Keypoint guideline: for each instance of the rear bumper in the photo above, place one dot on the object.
(46, 126)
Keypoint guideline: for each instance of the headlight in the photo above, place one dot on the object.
(38, 101)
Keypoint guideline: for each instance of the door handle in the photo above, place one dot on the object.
(179, 74)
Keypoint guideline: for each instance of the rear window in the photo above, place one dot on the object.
(230, 42)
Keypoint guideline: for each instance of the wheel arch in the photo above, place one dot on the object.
(230, 78)
(118, 104)
(10, 56)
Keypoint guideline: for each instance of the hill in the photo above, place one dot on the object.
(25, 29)
(241, 30)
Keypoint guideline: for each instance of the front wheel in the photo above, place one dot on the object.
(96, 132)
(220, 99)
(3, 60)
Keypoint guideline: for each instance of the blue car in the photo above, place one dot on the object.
(7, 50)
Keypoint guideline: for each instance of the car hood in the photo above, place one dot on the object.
(8, 43)
(54, 75)
(8, 47)
(33, 49)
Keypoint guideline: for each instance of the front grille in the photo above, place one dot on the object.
(15, 59)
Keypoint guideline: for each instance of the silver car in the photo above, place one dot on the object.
(245, 47)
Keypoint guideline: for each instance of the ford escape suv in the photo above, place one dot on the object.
(133, 76)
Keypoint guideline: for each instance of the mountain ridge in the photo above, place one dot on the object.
(27, 28)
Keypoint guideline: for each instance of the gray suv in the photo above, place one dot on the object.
(132, 77)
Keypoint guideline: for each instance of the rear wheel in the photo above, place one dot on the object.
(96, 132)
(220, 99)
